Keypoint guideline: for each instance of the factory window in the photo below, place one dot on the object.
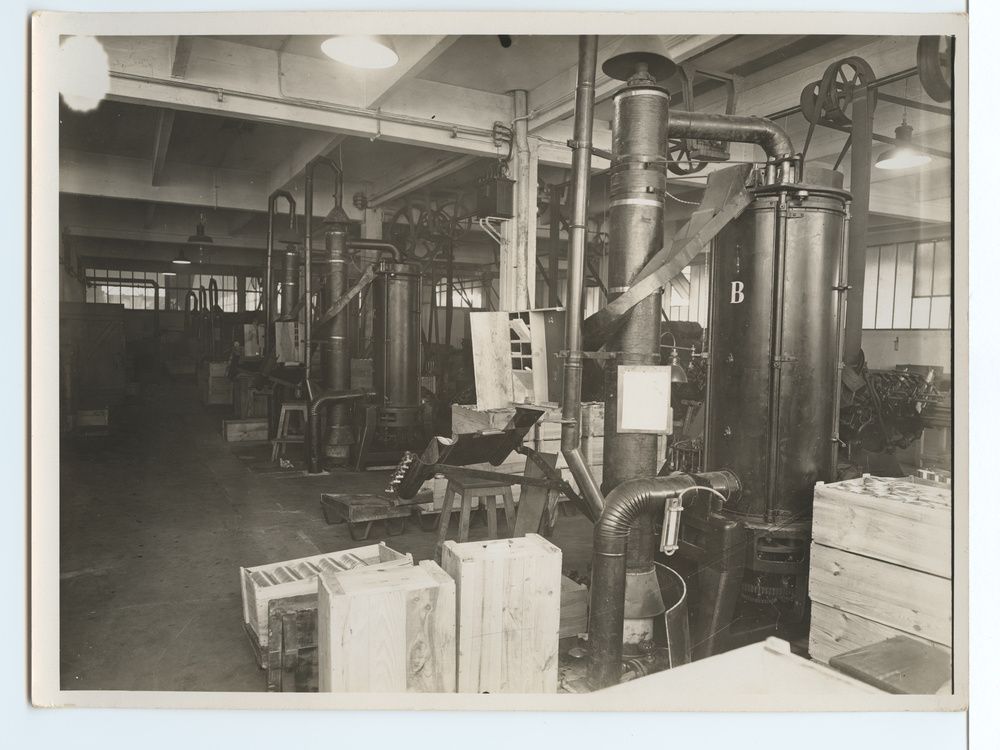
(686, 297)
(119, 288)
(252, 298)
(178, 287)
(466, 293)
(908, 286)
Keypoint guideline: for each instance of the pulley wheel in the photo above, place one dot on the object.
(826, 102)
(679, 158)
(935, 55)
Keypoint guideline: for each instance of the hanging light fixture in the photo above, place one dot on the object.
(369, 52)
(200, 238)
(902, 154)
(677, 373)
(168, 272)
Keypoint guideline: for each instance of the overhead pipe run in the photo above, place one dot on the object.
(583, 130)
(740, 129)
(628, 505)
(379, 246)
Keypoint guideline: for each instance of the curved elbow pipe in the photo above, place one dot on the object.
(379, 246)
(627, 503)
(314, 437)
(737, 129)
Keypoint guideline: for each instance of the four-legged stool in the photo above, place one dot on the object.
(467, 490)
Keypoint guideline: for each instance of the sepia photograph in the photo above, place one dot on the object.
(400, 363)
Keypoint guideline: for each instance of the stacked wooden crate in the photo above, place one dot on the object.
(387, 629)
(881, 564)
(214, 385)
(264, 583)
(508, 613)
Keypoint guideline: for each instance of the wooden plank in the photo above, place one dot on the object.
(508, 613)
(833, 632)
(387, 629)
(533, 499)
(491, 359)
(900, 665)
(244, 430)
(908, 600)
(574, 603)
(907, 523)
(467, 419)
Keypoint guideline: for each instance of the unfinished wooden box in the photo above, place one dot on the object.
(215, 387)
(387, 629)
(245, 430)
(880, 564)
(508, 613)
(263, 583)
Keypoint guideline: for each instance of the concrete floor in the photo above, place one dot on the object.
(156, 521)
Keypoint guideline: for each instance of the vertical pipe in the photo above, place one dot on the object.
(862, 114)
(583, 130)
(555, 219)
(523, 210)
(268, 276)
(336, 337)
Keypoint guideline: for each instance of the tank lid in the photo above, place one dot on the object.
(811, 188)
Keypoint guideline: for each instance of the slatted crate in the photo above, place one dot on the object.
(880, 564)
(264, 583)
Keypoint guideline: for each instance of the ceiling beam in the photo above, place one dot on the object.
(311, 145)
(134, 235)
(181, 56)
(161, 142)
(426, 170)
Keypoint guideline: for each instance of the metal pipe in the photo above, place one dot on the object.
(307, 332)
(379, 245)
(272, 202)
(631, 501)
(335, 343)
(738, 129)
(313, 423)
(583, 130)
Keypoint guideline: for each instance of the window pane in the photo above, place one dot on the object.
(942, 268)
(921, 317)
(904, 286)
(923, 275)
(886, 284)
(871, 288)
(940, 312)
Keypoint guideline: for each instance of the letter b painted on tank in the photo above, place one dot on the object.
(736, 295)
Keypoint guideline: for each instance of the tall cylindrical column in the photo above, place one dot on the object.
(396, 366)
(638, 179)
(289, 280)
(335, 342)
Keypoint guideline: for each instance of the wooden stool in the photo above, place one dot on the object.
(283, 437)
(467, 490)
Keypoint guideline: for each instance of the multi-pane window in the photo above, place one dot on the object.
(465, 293)
(117, 287)
(908, 286)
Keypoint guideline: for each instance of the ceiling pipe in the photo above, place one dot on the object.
(583, 131)
(739, 129)
(380, 246)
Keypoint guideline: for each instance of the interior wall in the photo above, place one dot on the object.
(884, 349)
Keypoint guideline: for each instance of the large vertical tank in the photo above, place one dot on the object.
(334, 340)
(396, 299)
(775, 339)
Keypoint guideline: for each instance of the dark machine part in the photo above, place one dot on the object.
(494, 447)
(778, 287)
(396, 290)
(335, 345)
(289, 281)
(395, 422)
(883, 410)
(613, 537)
(638, 178)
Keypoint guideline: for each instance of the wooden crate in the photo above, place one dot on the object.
(467, 419)
(244, 430)
(574, 604)
(263, 583)
(880, 564)
(214, 387)
(908, 600)
(292, 647)
(907, 523)
(387, 629)
(508, 613)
